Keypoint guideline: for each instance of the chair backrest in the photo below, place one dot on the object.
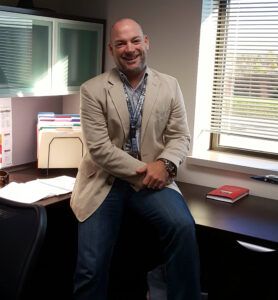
(22, 231)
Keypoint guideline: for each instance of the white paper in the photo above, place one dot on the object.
(38, 189)
(5, 132)
(63, 182)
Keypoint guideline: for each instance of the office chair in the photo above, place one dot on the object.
(22, 231)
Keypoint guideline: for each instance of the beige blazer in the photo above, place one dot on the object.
(105, 127)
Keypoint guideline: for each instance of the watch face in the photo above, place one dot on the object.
(169, 166)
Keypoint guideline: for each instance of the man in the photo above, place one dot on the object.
(135, 130)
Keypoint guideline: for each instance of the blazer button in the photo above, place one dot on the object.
(110, 180)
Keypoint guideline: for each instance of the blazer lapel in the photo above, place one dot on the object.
(150, 100)
(118, 97)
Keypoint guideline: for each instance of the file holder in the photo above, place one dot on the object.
(62, 137)
(60, 150)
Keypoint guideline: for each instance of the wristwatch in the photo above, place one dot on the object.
(170, 167)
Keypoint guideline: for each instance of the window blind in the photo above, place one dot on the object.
(25, 54)
(15, 51)
(245, 82)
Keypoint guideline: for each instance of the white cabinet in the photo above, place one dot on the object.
(78, 54)
(44, 55)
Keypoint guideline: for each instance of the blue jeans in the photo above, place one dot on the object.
(167, 213)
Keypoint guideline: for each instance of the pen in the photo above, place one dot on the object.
(267, 178)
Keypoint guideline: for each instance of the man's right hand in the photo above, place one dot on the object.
(156, 176)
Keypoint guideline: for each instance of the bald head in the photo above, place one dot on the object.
(128, 46)
(124, 23)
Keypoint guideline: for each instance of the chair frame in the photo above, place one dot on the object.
(22, 272)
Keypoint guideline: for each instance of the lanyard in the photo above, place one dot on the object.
(134, 116)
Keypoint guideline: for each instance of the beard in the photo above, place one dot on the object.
(132, 69)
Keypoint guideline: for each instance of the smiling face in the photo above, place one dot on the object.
(128, 46)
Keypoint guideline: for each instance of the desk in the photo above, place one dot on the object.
(252, 219)
(226, 266)
(230, 271)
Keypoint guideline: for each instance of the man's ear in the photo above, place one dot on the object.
(147, 42)
(110, 49)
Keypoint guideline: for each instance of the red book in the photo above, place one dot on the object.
(228, 193)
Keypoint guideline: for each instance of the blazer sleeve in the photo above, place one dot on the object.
(176, 134)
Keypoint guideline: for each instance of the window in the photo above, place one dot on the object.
(244, 103)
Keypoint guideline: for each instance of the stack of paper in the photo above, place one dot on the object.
(59, 140)
(38, 189)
